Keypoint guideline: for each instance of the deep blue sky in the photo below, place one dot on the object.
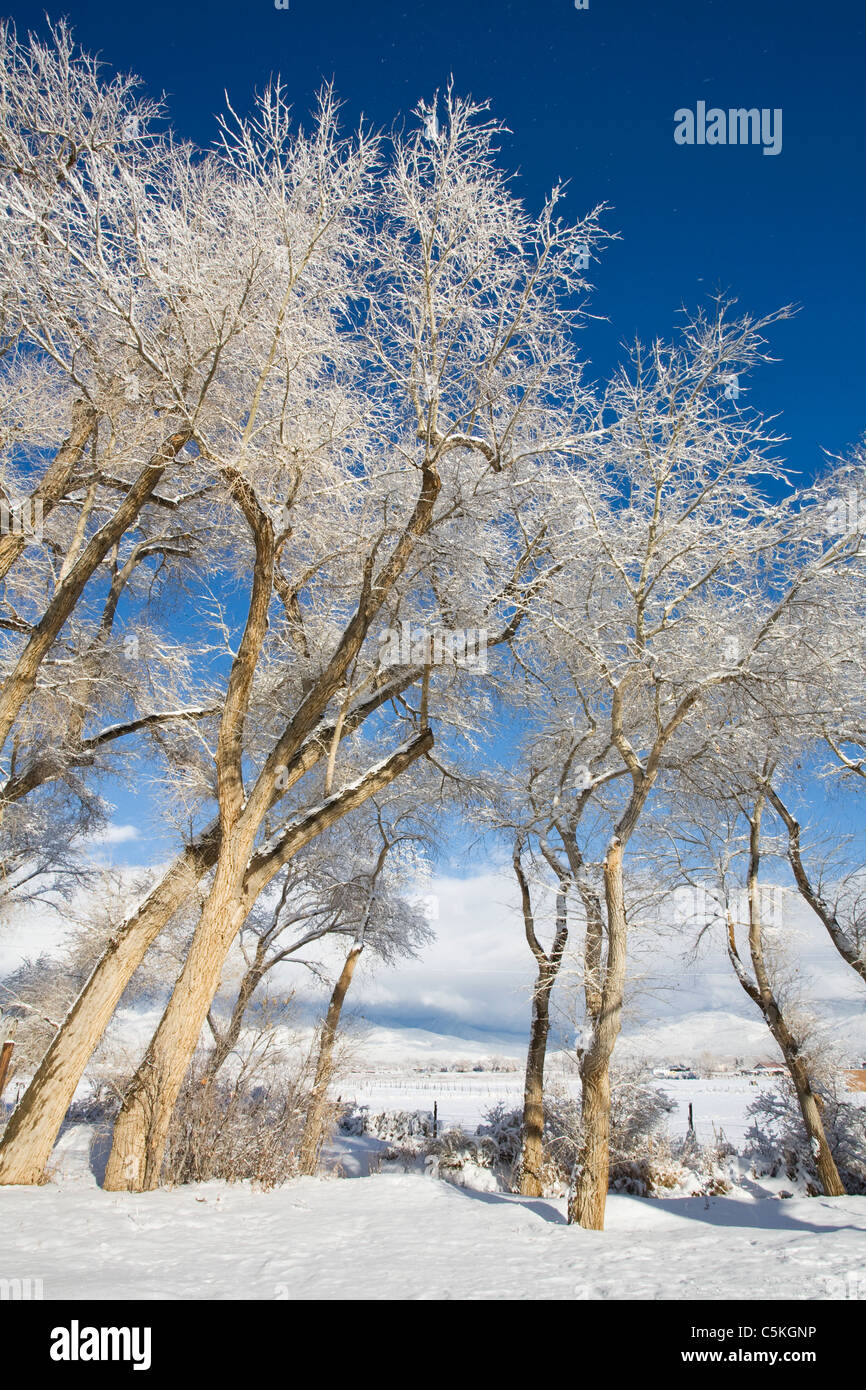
(590, 98)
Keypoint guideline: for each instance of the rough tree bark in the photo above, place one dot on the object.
(311, 1139)
(6, 1050)
(33, 1128)
(529, 1174)
(762, 994)
(587, 1201)
(141, 1128)
(56, 480)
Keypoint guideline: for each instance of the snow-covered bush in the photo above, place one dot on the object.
(639, 1112)
(406, 1128)
(500, 1142)
(683, 1165)
(644, 1160)
(407, 1133)
(777, 1141)
(248, 1128)
(638, 1115)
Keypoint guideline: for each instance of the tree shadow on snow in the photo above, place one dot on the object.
(537, 1205)
(762, 1214)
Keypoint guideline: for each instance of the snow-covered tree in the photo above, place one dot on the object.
(365, 471)
(678, 573)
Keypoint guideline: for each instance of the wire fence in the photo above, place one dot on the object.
(462, 1101)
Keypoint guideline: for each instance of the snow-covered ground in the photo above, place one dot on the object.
(394, 1234)
(405, 1236)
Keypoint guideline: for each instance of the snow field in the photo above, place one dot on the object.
(403, 1236)
(463, 1099)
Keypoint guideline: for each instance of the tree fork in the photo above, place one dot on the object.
(141, 1129)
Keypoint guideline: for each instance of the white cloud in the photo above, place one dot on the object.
(476, 979)
(114, 835)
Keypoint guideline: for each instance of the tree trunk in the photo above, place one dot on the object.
(142, 1126)
(809, 1102)
(314, 1123)
(810, 1109)
(30, 1134)
(532, 1147)
(529, 1182)
(6, 1051)
(33, 1128)
(56, 480)
(761, 992)
(225, 1045)
(587, 1202)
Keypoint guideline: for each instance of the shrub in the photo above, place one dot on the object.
(777, 1141)
(407, 1128)
(236, 1130)
(639, 1111)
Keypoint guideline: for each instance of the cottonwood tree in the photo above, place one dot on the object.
(761, 991)
(811, 700)
(537, 806)
(566, 809)
(677, 572)
(548, 962)
(227, 267)
(720, 849)
(834, 716)
(773, 740)
(467, 378)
